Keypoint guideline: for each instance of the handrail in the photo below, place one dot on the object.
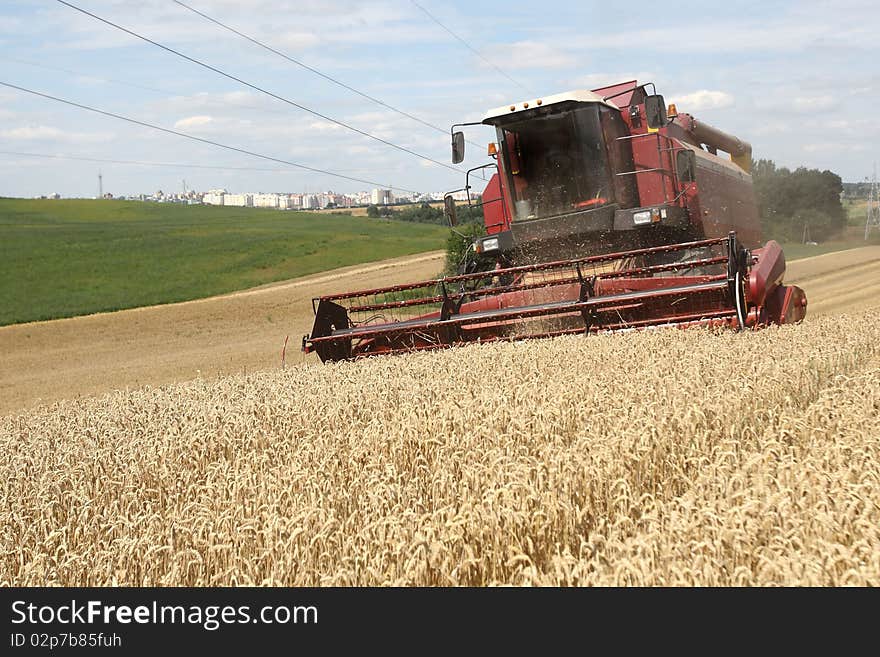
(664, 171)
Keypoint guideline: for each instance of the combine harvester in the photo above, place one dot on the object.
(605, 212)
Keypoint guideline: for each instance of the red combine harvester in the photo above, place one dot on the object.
(605, 212)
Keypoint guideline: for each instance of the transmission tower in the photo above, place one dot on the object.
(873, 220)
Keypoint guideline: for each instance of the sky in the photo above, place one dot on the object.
(799, 80)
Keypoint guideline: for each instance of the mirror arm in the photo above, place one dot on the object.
(463, 125)
(458, 141)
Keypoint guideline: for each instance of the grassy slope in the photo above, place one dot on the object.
(66, 258)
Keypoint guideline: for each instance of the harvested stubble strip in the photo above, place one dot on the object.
(661, 457)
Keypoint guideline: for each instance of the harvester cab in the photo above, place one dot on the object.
(606, 210)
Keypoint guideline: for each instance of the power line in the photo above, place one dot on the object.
(167, 165)
(257, 88)
(88, 75)
(202, 139)
(172, 93)
(312, 69)
(468, 46)
(137, 86)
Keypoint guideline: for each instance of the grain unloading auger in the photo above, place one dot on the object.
(605, 212)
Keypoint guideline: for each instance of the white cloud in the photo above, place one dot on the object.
(213, 104)
(373, 117)
(742, 37)
(770, 127)
(193, 122)
(325, 126)
(527, 55)
(598, 80)
(49, 133)
(32, 132)
(279, 23)
(297, 40)
(813, 103)
(833, 146)
(702, 100)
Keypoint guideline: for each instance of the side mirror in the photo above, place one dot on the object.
(457, 147)
(686, 166)
(655, 109)
(449, 208)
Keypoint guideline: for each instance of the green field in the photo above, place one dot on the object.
(856, 211)
(852, 238)
(66, 258)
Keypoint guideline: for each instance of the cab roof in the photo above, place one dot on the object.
(577, 96)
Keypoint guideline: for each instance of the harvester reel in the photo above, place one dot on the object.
(585, 295)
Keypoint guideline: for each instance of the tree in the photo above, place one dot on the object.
(372, 211)
(457, 245)
(788, 200)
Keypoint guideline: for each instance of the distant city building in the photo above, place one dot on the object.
(287, 201)
(238, 200)
(339, 200)
(381, 197)
(265, 200)
(214, 197)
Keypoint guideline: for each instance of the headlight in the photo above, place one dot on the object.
(643, 217)
(651, 216)
(490, 245)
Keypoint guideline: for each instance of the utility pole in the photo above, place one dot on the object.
(101, 186)
(873, 219)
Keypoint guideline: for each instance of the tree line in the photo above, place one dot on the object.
(857, 190)
(426, 213)
(798, 204)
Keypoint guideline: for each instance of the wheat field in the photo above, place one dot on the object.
(666, 457)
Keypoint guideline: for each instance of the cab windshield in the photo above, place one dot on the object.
(556, 162)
